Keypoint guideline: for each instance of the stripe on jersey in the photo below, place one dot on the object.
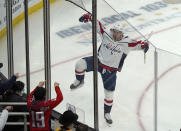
(107, 67)
(134, 44)
(101, 29)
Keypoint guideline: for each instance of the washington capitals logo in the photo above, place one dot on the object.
(114, 48)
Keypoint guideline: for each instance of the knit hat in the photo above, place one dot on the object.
(68, 118)
(1, 65)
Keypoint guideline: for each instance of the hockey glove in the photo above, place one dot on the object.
(85, 18)
(145, 46)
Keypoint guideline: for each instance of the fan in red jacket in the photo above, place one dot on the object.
(40, 110)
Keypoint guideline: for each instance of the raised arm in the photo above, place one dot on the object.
(8, 84)
(53, 103)
(88, 17)
(139, 45)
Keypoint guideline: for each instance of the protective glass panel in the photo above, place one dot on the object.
(3, 38)
(35, 35)
(169, 74)
(19, 55)
(71, 41)
(36, 42)
(129, 110)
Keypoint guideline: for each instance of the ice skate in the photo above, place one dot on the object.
(107, 116)
(77, 84)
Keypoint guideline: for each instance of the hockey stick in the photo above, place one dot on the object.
(91, 14)
(149, 36)
(87, 12)
(79, 6)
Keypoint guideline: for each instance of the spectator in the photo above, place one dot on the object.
(16, 92)
(1, 65)
(16, 95)
(67, 120)
(4, 116)
(8, 84)
(82, 127)
(2, 77)
(40, 109)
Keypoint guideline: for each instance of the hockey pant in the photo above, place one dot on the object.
(108, 77)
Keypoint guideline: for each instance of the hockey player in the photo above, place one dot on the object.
(112, 52)
(40, 109)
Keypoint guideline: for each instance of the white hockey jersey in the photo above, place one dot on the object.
(111, 54)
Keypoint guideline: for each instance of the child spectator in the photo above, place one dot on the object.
(40, 110)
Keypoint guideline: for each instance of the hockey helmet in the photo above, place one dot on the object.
(118, 27)
(120, 35)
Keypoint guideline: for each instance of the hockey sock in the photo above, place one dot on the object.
(107, 109)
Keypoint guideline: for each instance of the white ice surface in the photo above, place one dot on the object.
(134, 96)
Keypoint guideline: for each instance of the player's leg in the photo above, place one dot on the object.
(109, 81)
(80, 68)
(108, 102)
(83, 65)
